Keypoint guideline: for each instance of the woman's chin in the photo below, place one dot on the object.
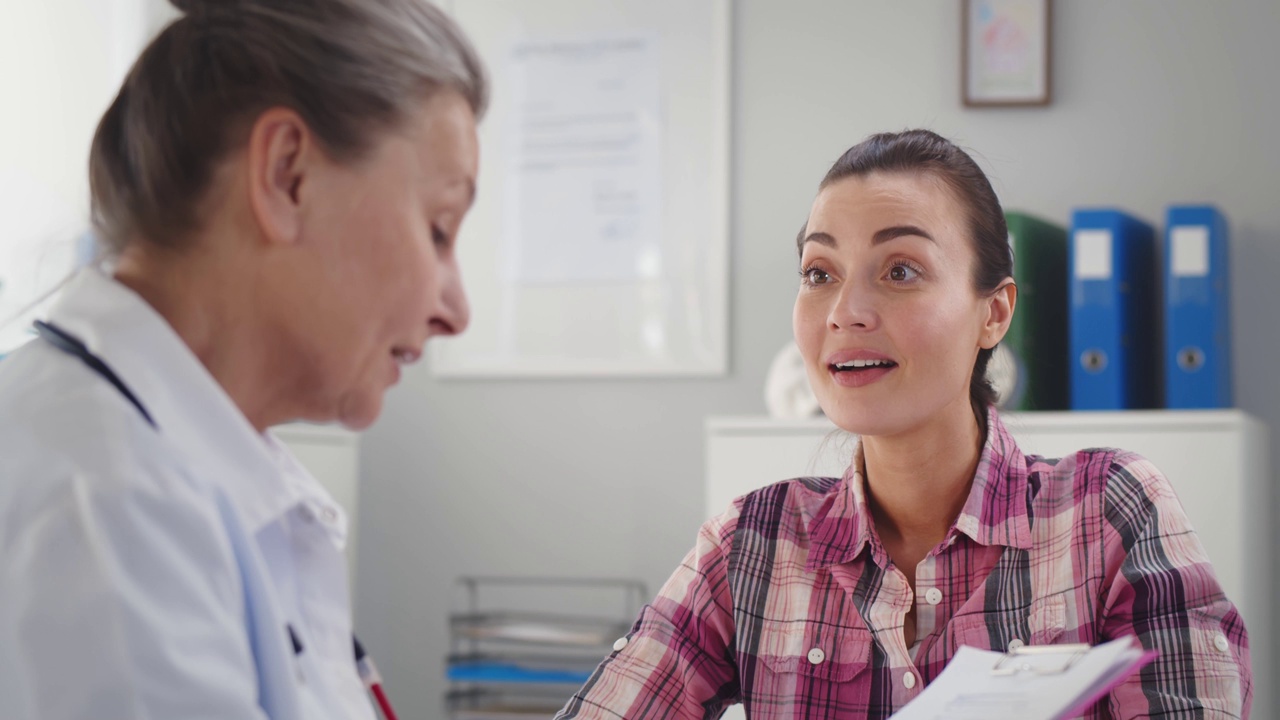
(361, 410)
(867, 421)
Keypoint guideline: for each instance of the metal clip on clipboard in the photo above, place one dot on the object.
(1040, 660)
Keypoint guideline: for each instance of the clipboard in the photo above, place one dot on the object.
(1048, 682)
(1040, 659)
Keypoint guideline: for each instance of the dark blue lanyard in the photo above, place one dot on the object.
(72, 345)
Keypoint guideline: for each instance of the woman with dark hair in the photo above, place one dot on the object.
(844, 597)
(281, 185)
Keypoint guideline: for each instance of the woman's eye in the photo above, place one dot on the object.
(902, 273)
(814, 276)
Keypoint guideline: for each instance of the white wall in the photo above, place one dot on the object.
(1156, 101)
(61, 63)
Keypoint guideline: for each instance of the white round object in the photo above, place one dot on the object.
(1006, 376)
(933, 596)
(787, 394)
(1015, 644)
(620, 643)
(1221, 643)
(816, 656)
(909, 680)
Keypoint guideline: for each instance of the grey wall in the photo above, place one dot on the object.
(1156, 101)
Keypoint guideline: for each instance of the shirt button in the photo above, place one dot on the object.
(909, 680)
(1015, 644)
(620, 643)
(1221, 643)
(933, 596)
(816, 656)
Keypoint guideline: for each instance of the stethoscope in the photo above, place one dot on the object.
(70, 344)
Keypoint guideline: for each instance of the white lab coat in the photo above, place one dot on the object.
(151, 573)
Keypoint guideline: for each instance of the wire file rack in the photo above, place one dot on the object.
(521, 646)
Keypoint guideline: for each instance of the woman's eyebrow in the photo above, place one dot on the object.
(897, 231)
(881, 236)
(819, 237)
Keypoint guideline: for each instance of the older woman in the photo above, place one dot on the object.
(844, 597)
(282, 185)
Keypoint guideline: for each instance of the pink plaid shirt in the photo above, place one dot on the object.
(789, 604)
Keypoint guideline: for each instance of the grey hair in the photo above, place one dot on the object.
(350, 68)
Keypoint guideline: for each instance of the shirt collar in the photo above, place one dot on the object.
(190, 408)
(841, 527)
(995, 512)
(314, 501)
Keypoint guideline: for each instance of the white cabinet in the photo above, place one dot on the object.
(332, 455)
(1217, 462)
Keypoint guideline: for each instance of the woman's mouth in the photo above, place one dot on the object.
(857, 373)
(405, 356)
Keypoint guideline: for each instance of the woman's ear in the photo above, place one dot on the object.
(281, 152)
(1000, 305)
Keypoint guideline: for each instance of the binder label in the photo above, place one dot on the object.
(1093, 255)
(1190, 251)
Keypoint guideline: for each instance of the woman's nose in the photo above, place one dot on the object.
(854, 309)
(455, 311)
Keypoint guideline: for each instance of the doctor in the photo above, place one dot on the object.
(282, 186)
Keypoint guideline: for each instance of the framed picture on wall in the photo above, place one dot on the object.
(599, 242)
(1005, 52)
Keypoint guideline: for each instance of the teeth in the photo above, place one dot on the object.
(861, 364)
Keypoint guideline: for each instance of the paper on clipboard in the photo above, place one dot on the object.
(1048, 682)
(583, 187)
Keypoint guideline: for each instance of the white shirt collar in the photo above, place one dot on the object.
(191, 410)
(313, 500)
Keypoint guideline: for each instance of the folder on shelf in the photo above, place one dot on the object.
(1046, 682)
(1034, 372)
(1197, 349)
(534, 628)
(511, 703)
(500, 672)
(572, 668)
(1115, 329)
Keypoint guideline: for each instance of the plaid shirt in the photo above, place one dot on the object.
(789, 604)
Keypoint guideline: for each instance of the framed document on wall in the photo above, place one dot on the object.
(598, 244)
(1005, 52)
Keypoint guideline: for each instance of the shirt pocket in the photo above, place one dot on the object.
(1217, 672)
(809, 664)
(1003, 629)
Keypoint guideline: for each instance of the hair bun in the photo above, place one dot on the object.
(197, 7)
